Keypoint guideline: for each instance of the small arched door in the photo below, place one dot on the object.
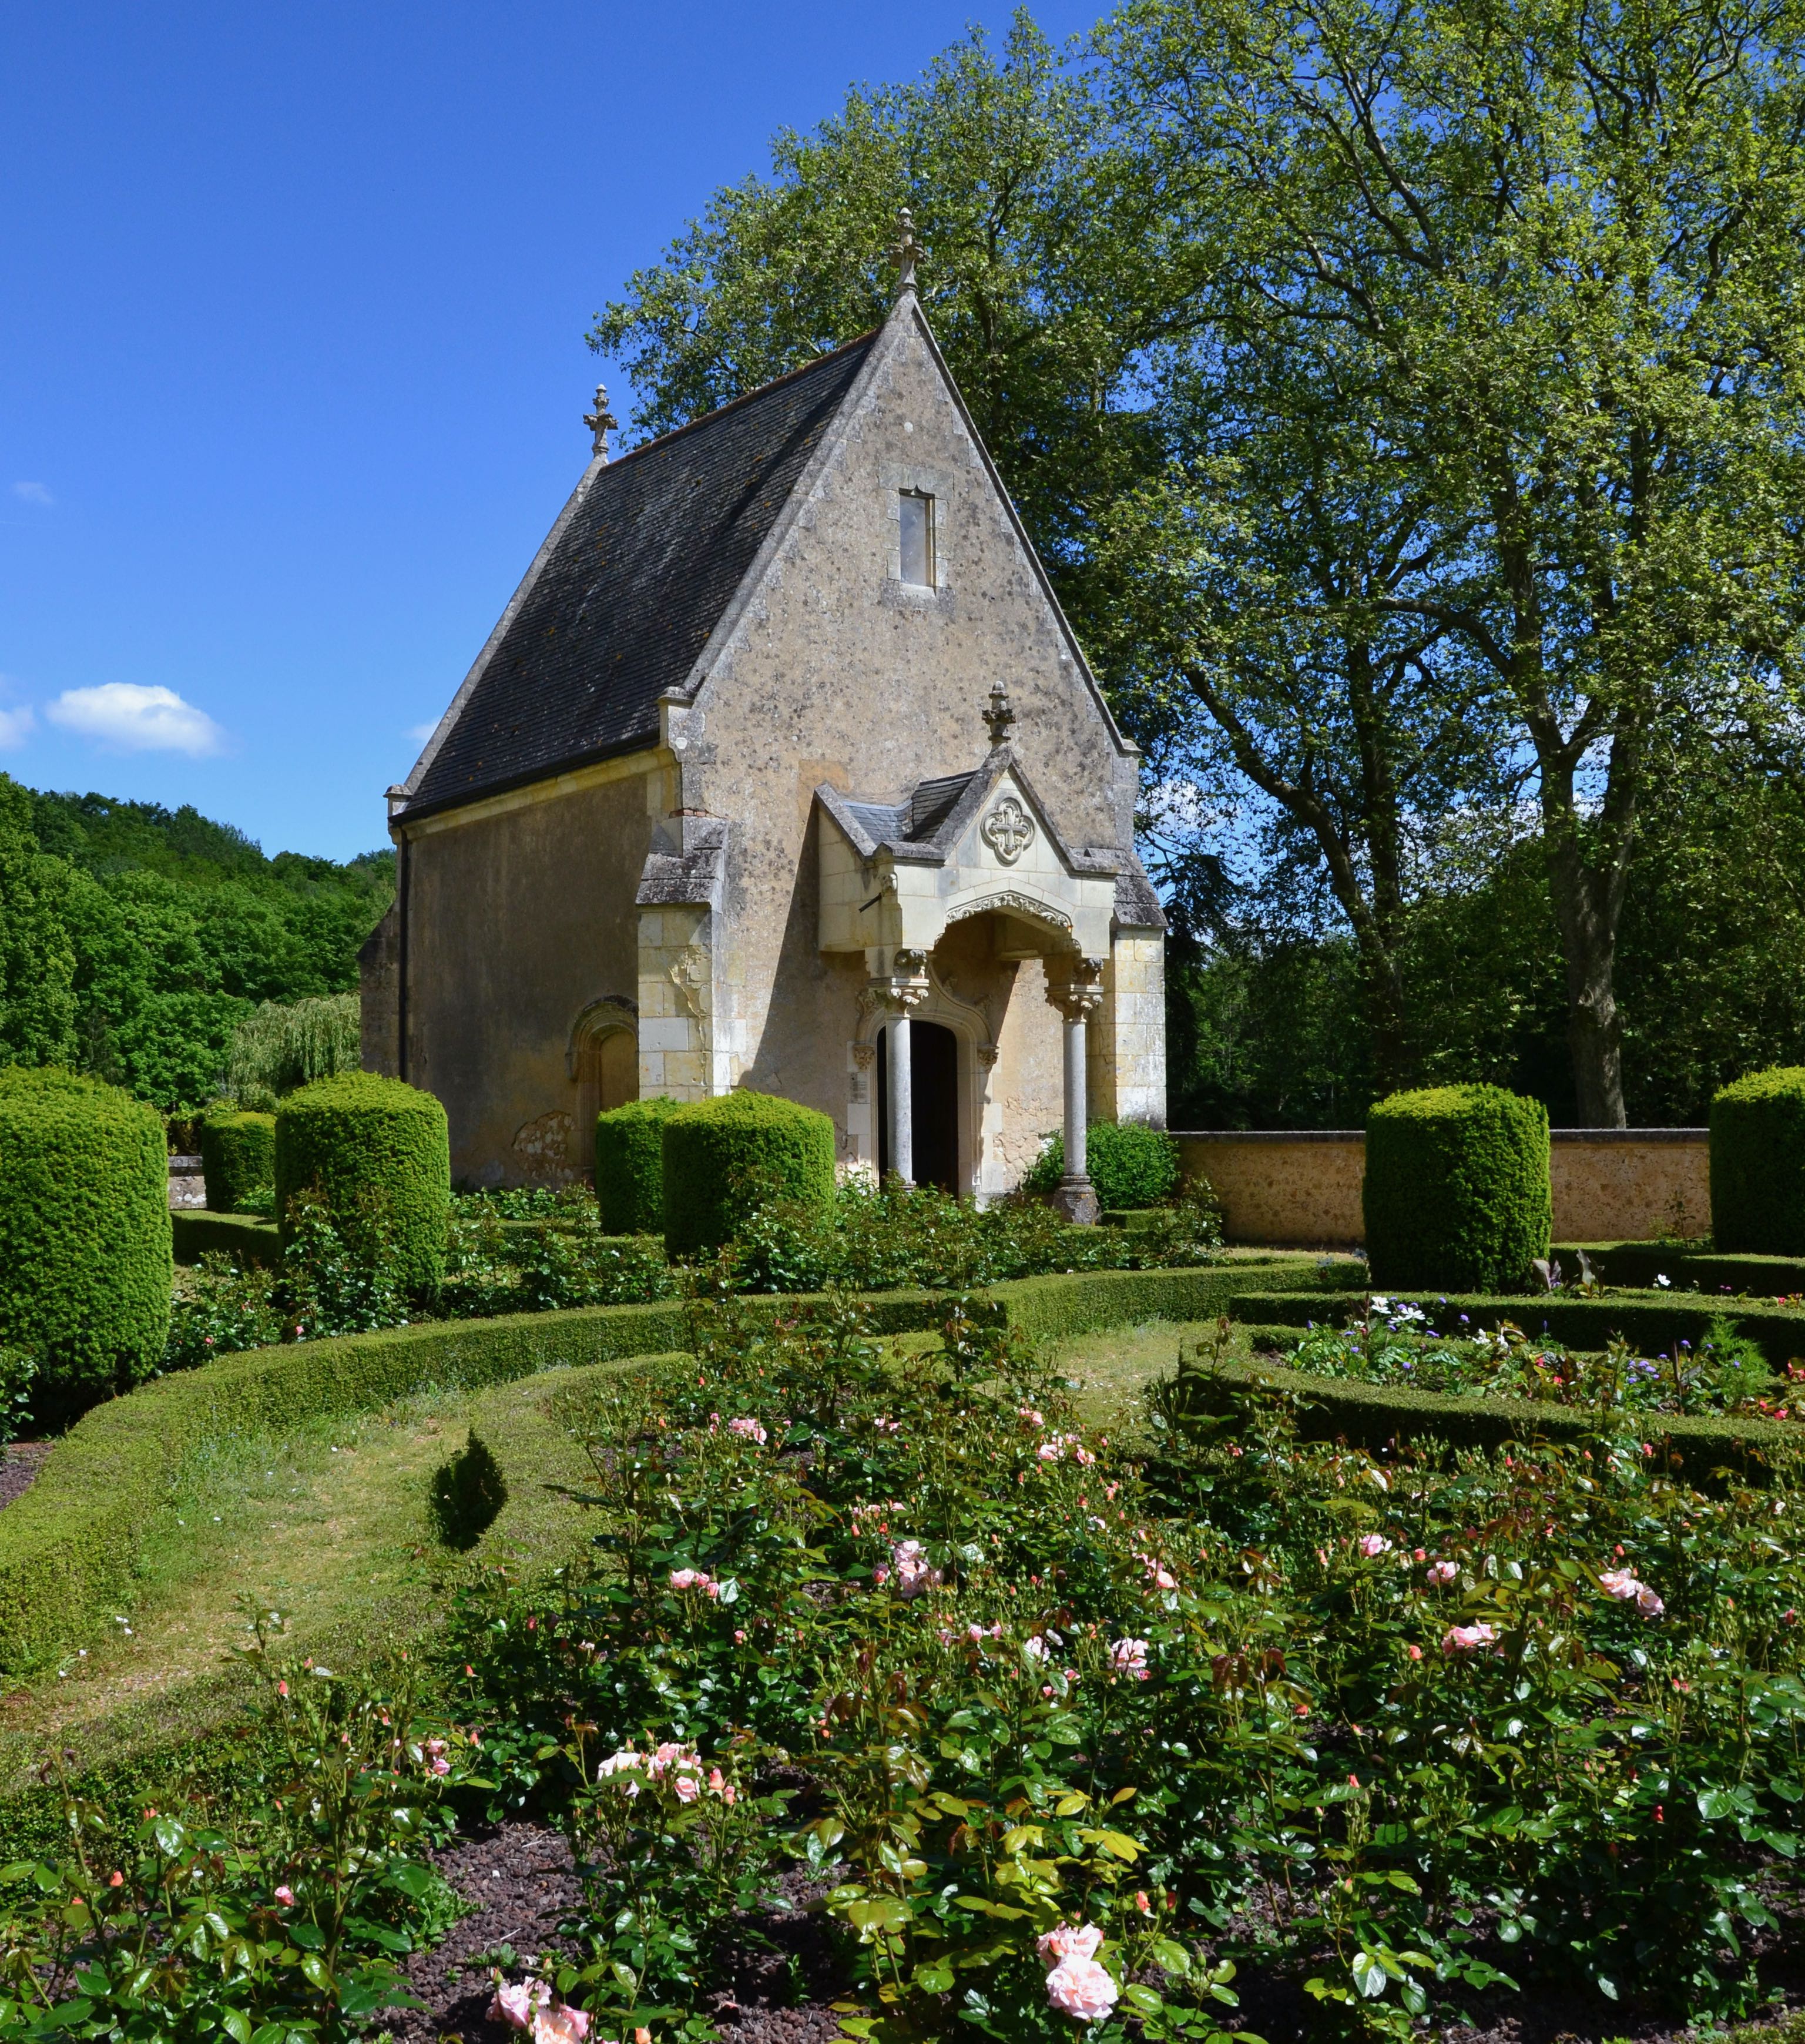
(608, 1075)
(934, 1086)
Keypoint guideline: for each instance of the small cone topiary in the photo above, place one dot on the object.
(378, 1152)
(724, 1158)
(1757, 1164)
(85, 1262)
(629, 1166)
(1457, 1192)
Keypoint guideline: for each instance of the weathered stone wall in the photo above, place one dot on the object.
(1302, 1188)
(520, 914)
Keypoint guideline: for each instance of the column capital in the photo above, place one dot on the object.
(1076, 991)
(903, 987)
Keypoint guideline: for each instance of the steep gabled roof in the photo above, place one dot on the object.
(628, 589)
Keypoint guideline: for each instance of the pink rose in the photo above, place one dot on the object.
(435, 1750)
(1440, 1573)
(560, 2025)
(1130, 1656)
(1069, 1941)
(688, 1787)
(748, 1429)
(285, 1895)
(1466, 1638)
(1081, 1988)
(1374, 1545)
(515, 2004)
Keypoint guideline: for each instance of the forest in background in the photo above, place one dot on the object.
(135, 939)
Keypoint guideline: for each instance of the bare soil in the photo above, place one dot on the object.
(784, 1973)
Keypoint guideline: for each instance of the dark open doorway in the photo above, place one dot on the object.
(933, 1073)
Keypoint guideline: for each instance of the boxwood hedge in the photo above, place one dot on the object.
(1375, 1416)
(238, 1157)
(377, 1150)
(85, 1261)
(629, 1166)
(1651, 1324)
(726, 1157)
(1456, 1191)
(1757, 1163)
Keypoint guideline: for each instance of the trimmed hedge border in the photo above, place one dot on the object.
(1581, 1324)
(1377, 1414)
(198, 1232)
(69, 1545)
(1374, 1416)
(1638, 1264)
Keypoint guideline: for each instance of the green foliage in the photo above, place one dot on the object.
(285, 1921)
(1757, 1163)
(869, 1240)
(725, 1157)
(1456, 1191)
(629, 1166)
(238, 1157)
(278, 1046)
(85, 1262)
(467, 1494)
(133, 939)
(1130, 1164)
(37, 964)
(378, 1153)
(1039, 1683)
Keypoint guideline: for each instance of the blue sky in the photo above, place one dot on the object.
(292, 369)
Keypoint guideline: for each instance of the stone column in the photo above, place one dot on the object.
(1077, 996)
(902, 1100)
(894, 993)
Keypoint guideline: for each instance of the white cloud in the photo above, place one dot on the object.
(32, 492)
(15, 727)
(129, 718)
(421, 732)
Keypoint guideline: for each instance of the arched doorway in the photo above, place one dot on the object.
(934, 1086)
(603, 1059)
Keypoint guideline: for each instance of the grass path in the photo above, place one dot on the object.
(330, 1525)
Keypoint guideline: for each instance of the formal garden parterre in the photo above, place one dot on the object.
(1390, 1660)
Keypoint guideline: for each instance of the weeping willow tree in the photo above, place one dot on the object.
(281, 1045)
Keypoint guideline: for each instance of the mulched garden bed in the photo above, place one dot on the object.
(19, 1468)
(520, 1881)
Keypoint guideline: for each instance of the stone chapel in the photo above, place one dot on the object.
(781, 770)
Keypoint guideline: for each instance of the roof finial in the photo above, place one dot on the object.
(601, 420)
(1000, 717)
(906, 251)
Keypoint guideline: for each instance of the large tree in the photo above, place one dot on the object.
(1556, 248)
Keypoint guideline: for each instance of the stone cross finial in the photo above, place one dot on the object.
(908, 252)
(600, 421)
(1000, 717)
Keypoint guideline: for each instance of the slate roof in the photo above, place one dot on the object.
(647, 561)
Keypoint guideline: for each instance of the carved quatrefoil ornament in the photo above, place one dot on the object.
(1009, 830)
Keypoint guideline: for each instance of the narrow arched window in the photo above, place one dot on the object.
(917, 516)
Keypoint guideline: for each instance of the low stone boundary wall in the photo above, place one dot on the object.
(1301, 1188)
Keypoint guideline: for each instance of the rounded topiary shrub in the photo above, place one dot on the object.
(85, 1264)
(238, 1157)
(1757, 1164)
(629, 1166)
(1130, 1164)
(1457, 1192)
(377, 1151)
(724, 1158)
